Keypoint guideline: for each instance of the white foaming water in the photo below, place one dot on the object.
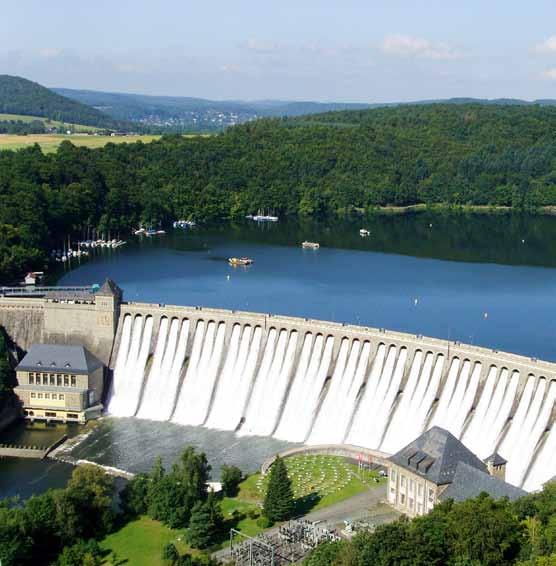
(445, 403)
(358, 433)
(534, 426)
(198, 391)
(396, 431)
(236, 378)
(163, 381)
(543, 466)
(264, 418)
(128, 384)
(419, 417)
(475, 429)
(462, 411)
(335, 412)
(302, 403)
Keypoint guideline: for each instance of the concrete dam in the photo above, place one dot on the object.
(325, 383)
(303, 380)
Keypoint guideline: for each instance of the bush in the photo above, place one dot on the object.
(264, 522)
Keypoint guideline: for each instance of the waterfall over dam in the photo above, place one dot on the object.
(318, 382)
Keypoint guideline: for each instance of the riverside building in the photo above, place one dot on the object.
(436, 466)
(60, 383)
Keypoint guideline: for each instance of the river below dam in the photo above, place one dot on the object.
(481, 279)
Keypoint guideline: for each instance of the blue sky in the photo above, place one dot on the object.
(352, 50)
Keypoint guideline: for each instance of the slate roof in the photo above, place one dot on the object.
(496, 459)
(59, 358)
(470, 482)
(435, 456)
(109, 289)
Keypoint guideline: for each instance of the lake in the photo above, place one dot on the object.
(486, 280)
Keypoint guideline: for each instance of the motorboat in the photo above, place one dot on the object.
(240, 261)
(364, 232)
(310, 245)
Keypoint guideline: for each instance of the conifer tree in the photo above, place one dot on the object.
(205, 523)
(279, 502)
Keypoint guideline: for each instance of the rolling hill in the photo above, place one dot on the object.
(19, 96)
(197, 114)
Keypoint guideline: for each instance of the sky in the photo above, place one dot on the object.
(326, 50)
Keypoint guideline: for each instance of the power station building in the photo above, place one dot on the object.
(436, 466)
(60, 383)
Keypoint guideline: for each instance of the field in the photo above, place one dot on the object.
(47, 122)
(50, 142)
(140, 543)
(317, 481)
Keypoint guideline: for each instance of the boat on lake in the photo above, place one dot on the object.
(310, 245)
(240, 261)
(364, 232)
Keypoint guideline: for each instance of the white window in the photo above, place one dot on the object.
(402, 480)
(420, 490)
(420, 508)
(393, 474)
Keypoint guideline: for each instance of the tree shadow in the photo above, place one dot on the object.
(304, 504)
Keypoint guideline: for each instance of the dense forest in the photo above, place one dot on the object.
(334, 163)
(21, 96)
(476, 532)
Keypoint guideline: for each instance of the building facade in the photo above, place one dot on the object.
(60, 383)
(437, 466)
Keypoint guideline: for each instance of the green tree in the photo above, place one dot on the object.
(170, 553)
(278, 502)
(82, 553)
(202, 530)
(230, 476)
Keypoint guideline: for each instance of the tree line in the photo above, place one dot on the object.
(334, 163)
(476, 532)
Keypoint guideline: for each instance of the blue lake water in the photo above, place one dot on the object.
(508, 307)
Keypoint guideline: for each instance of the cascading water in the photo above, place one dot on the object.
(279, 382)
(128, 381)
(337, 408)
(265, 405)
(396, 431)
(302, 403)
(197, 391)
(163, 381)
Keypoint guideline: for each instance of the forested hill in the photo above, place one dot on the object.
(21, 96)
(331, 163)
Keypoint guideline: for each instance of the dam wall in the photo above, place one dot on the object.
(90, 323)
(302, 380)
(319, 382)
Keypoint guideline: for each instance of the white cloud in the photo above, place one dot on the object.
(547, 46)
(410, 46)
(549, 74)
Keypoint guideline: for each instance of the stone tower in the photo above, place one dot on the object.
(107, 306)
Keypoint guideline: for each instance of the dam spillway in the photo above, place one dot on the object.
(317, 382)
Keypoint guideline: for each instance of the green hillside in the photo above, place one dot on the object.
(335, 163)
(21, 96)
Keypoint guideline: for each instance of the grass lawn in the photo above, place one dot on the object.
(50, 142)
(140, 543)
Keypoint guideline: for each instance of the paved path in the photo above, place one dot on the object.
(354, 508)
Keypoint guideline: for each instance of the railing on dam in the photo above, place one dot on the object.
(33, 291)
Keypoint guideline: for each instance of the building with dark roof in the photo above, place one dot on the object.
(437, 466)
(60, 383)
